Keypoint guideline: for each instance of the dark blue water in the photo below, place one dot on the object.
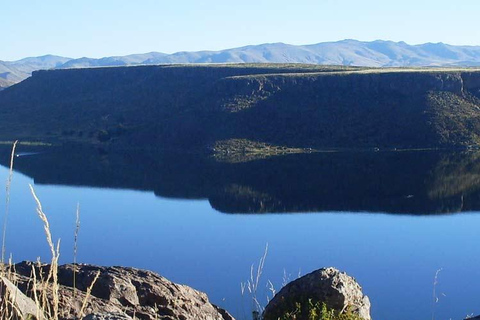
(176, 233)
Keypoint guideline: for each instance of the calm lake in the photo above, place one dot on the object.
(389, 219)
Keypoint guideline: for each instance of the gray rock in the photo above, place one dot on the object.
(106, 316)
(19, 306)
(124, 292)
(336, 289)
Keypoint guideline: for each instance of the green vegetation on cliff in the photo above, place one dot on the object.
(295, 106)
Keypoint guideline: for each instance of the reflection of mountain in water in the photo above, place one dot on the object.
(392, 182)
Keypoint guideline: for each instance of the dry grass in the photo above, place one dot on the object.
(89, 291)
(434, 292)
(75, 247)
(252, 285)
(55, 251)
(7, 203)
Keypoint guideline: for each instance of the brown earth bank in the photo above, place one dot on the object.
(288, 106)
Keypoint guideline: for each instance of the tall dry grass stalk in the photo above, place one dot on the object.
(75, 247)
(34, 289)
(89, 291)
(46, 224)
(42, 285)
(7, 203)
(252, 284)
(434, 292)
(55, 251)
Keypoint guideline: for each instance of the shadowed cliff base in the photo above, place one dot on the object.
(407, 182)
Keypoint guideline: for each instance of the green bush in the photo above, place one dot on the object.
(318, 311)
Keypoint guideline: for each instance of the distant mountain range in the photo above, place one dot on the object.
(347, 52)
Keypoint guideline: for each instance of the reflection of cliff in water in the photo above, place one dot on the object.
(393, 182)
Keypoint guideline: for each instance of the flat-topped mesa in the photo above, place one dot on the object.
(296, 106)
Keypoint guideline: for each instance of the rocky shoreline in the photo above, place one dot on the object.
(120, 293)
(90, 292)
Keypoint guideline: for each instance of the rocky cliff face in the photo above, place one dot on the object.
(349, 110)
(185, 107)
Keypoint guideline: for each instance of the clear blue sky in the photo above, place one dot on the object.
(106, 27)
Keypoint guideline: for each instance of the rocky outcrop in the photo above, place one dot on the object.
(107, 316)
(336, 289)
(121, 293)
(16, 305)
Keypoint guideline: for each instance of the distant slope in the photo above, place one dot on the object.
(28, 65)
(193, 107)
(9, 75)
(12, 72)
(347, 52)
(134, 59)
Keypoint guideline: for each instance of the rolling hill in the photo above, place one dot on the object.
(347, 52)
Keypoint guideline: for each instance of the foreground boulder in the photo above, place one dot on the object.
(121, 293)
(15, 305)
(336, 289)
